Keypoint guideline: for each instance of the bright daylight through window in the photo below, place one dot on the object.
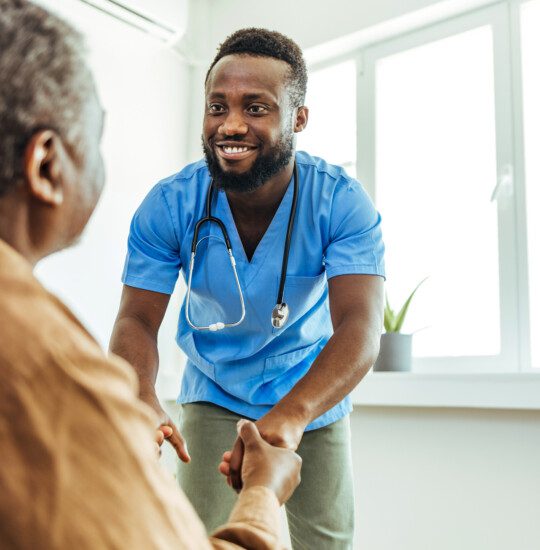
(530, 47)
(330, 134)
(430, 114)
(435, 171)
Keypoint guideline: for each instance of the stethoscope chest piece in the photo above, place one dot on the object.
(280, 314)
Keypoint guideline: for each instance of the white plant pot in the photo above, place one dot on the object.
(395, 354)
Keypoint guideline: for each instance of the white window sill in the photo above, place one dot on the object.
(414, 389)
(487, 391)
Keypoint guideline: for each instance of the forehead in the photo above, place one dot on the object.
(248, 74)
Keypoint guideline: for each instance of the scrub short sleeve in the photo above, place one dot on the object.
(153, 258)
(356, 245)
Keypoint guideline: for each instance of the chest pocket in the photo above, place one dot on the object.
(301, 294)
(187, 344)
(276, 366)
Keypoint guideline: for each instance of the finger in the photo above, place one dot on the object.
(159, 437)
(224, 469)
(249, 433)
(227, 456)
(177, 441)
(167, 430)
(235, 465)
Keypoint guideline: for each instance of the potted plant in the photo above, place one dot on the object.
(396, 348)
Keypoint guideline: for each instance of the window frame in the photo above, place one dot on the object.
(523, 298)
(504, 20)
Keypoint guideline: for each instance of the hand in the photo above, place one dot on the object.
(277, 430)
(281, 431)
(167, 429)
(265, 465)
(160, 437)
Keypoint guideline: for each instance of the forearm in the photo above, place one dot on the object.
(253, 523)
(340, 366)
(135, 343)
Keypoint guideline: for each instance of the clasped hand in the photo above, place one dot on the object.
(278, 431)
(262, 455)
(264, 465)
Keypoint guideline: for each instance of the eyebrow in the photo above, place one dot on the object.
(249, 97)
(255, 96)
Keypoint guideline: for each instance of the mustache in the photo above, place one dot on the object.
(236, 137)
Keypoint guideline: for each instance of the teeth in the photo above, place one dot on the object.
(232, 150)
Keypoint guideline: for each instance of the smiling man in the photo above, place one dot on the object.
(285, 335)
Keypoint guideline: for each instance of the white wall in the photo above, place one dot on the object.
(307, 22)
(446, 479)
(143, 85)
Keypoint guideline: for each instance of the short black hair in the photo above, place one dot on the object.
(44, 83)
(265, 43)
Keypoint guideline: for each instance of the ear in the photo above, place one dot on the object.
(43, 167)
(301, 119)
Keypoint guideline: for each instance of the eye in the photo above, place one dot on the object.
(257, 109)
(215, 108)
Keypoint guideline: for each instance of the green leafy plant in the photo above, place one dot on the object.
(394, 321)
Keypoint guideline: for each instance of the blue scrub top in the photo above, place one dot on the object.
(249, 368)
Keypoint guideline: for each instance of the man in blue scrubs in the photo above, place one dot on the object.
(295, 380)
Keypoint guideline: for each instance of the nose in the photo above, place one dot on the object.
(233, 124)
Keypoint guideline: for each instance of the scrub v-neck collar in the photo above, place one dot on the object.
(273, 237)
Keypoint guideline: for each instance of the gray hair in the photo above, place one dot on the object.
(44, 83)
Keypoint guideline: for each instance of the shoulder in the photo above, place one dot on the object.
(178, 193)
(321, 175)
(48, 355)
(194, 174)
(38, 331)
(28, 314)
(175, 196)
(327, 182)
(317, 167)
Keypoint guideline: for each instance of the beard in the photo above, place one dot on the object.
(264, 167)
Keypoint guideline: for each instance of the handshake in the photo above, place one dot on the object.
(254, 462)
(262, 455)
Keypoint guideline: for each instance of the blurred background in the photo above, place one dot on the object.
(434, 105)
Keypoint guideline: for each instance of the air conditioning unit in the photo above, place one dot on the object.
(166, 19)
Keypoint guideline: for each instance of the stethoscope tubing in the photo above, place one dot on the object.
(288, 238)
(195, 243)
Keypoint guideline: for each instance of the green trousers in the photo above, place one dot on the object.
(320, 513)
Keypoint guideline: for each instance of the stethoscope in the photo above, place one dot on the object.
(280, 313)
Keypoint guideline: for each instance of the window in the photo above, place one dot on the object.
(530, 46)
(331, 133)
(438, 148)
(435, 169)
